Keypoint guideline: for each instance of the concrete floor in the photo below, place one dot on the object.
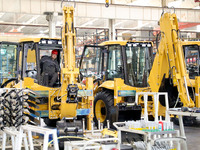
(193, 137)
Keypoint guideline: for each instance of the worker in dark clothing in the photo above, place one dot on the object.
(49, 69)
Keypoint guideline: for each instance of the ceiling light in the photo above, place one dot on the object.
(141, 2)
(58, 23)
(89, 23)
(1, 14)
(29, 21)
(198, 28)
(125, 32)
(197, 7)
(119, 23)
(175, 3)
(46, 31)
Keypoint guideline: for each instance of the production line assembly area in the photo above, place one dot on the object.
(99, 74)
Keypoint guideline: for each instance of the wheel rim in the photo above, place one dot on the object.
(100, 110)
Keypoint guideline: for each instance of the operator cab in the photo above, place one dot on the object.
(31, 53)
(192, 54)
(128, 60)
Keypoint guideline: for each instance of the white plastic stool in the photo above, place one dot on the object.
(45, 131)
(16, 138)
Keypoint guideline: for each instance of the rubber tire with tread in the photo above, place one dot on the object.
(108, 98)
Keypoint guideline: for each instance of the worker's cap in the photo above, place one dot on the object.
(54, 52)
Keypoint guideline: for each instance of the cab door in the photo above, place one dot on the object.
(8, 61)
(92, 62)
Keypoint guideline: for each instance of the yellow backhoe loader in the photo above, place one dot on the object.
(122, 68)
(67, 99)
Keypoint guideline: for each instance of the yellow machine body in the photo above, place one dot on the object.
(51, 94)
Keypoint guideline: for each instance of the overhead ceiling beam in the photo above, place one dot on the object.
(94, 10)
(43, 25)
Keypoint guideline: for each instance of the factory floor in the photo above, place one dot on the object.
(192, 134)
(193, 137)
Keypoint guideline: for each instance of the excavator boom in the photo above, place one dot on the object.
(169, 61)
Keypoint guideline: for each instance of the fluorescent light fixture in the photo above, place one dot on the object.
(197, 7)
(125, 32)
(198, 28)
(28, 22)
(89, 22)
(175, 3)
(46, 31)
(58, 23)
(119, 23)
(140, 25)
(141, 3)
(1, 14)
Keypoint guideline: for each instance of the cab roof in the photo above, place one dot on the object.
(191, 43)
(122, 43)
(35, 40)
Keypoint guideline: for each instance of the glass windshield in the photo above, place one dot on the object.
(114, 69)
(192, 60)
(8, 65)
(139, 63)
(90, 65)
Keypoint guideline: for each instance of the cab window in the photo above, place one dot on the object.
(8, 66)
(90, 63)
(139, 62)
(114, 69)
(192, 60)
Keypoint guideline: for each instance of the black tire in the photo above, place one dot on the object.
(50, 122)
(109, 111)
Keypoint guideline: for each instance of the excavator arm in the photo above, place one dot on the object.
(169, 61)
(69, 73)
(70, 106)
